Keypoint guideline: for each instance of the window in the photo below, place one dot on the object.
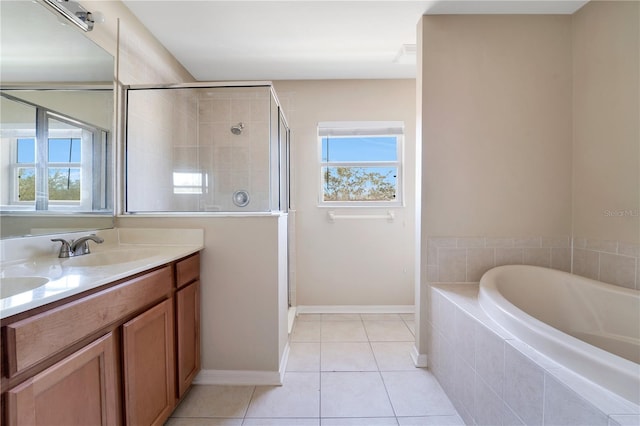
(360, 163)
(56, 162)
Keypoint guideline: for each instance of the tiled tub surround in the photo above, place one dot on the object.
(613, 262)
(570, 319)
(494, 379)
(465, 259)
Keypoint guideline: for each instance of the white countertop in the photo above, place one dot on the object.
(136, 250)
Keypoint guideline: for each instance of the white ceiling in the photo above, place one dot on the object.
(302, 39)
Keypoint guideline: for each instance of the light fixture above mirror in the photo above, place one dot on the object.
(74, 12)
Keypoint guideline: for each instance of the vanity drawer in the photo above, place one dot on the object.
(34, 339)
(187, 270)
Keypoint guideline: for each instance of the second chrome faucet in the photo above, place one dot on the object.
(76, 247)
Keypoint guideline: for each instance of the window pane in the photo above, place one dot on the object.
(26, 184)
(361, 148)
(360, 183)
(26, 150)
(188, 183)
(64, 184)
(64, 150)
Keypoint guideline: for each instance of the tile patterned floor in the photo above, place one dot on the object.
(343, 370)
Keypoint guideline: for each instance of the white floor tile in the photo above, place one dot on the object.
(281, 421)
(202, 421)
(360, 421)
(306, 331)
(416, 393)
(341, 317)
(347, 356)
(388, 331)
(393, 356)
(342, 370)
(360, 394)
(381, 317)
(304, 356)
(309, 317)
(431, 421)
(343, 331)
(215, 401)
(297, 397)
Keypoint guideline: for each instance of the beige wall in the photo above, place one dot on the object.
(243, 292)
(494, 98)
(496, 125)
(606, 111)
(142, 59)
(349, 262)
(606, 142)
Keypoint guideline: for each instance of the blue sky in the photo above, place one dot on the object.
(58, 150)
(361, 148)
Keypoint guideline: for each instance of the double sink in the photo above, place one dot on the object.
(50, 268)
(32, 274)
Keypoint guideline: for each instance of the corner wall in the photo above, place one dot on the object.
(496, 146)
(349, 262)
(606, 142)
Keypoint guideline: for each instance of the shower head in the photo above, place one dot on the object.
(237, 129)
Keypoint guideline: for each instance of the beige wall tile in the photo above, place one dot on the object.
(452, 265)
(586, 263)
(469, 242)
(528, 242)
(561, 259)
(499, 242)
(479, 261)
(618, 270)
(537, 257)
(607, 246)
(509, 256)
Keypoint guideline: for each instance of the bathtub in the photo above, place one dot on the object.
(587, 326)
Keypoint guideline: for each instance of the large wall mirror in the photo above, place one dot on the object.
(56, 125)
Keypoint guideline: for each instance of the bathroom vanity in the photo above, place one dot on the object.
(124, 351)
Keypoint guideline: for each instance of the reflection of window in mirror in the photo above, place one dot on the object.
(55, 162)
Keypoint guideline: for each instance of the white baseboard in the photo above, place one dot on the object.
(244, 377)
(355, 309)
(420, 360)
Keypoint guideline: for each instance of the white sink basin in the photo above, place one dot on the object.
(10, 286)
(107, 258)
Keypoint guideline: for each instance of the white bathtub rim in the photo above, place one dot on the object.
(596, 365)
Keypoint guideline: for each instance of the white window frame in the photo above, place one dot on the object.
(357, 129)
(86, 134)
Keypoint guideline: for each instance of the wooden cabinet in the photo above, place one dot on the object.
(79, 390)
(188, 335)
(123, 354)
(148, 361)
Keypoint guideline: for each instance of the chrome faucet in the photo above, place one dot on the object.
(78, 247)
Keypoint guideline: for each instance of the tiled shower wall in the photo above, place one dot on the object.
(189, 131)
(237, 162)
(466, 259)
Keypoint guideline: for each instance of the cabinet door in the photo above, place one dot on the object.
(188, 329)
(79, 390)
(149, 371)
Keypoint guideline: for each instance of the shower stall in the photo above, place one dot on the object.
(206, 148)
